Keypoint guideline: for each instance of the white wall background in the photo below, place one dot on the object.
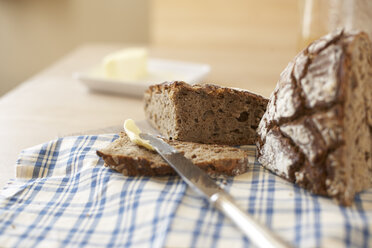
(35, 33)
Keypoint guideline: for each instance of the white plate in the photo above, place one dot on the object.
(159, 71)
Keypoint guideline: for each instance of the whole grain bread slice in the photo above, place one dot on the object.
(204, 113)
(129, 159)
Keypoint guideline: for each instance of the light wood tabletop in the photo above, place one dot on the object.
(53, 103)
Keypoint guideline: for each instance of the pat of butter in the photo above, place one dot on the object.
(133, 133)
(127, 64)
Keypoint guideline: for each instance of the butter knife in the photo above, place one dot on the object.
(201, 183)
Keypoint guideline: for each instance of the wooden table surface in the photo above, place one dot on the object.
(53, 103)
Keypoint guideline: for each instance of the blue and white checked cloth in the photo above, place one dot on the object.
(63, 196)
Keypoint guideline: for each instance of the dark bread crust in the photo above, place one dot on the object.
(205, 113)
(131, 160)
(320, 111)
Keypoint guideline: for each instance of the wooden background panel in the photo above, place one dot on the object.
(247, 43)
(217, 23)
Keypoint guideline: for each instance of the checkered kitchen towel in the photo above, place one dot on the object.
(63, 196)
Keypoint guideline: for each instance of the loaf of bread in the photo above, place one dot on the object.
(317, 129)
(132, 160)
(207, 113)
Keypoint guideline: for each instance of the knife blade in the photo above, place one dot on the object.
(201, 183)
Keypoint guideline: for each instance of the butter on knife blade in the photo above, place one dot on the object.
(133, 133)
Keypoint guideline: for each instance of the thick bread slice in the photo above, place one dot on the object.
(205, 113)
(317, 129)
(131, 160)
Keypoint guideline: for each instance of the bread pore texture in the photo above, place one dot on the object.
(130, 159)
(205, 113)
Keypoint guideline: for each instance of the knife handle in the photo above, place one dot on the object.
(257, 233)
